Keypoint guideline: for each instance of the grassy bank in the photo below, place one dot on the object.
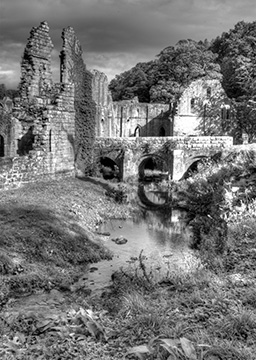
(48, 233)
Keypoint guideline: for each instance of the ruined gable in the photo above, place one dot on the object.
(36, 75)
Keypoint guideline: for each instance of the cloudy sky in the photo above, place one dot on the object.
(115, 34)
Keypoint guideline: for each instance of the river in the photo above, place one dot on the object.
(160, 234)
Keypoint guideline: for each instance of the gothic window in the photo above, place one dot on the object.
(162, 132)
(1, 146)
(137, 131)
(225, 112)
(222, 113)
(25, 144)
(192, 104)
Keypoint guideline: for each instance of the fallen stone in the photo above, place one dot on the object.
(120, 240)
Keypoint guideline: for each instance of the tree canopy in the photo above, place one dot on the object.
(236, 55)
(164, 79)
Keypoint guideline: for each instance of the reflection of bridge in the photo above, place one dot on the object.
(174, 155)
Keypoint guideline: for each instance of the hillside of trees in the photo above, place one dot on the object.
(164, 79)
(231, 57)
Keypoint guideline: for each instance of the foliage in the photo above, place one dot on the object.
(236, 56)
(204, 197)
(164, 79)
(118, 193)
(134, 82)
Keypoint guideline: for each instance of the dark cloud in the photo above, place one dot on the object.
(115, 34)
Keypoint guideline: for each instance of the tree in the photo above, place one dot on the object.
(2, 91)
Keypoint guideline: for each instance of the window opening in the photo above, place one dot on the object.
(1, 146)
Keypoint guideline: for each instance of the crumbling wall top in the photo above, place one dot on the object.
(71, 50)
(36, 75)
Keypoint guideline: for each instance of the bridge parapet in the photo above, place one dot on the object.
(176, 142)
(178, 152)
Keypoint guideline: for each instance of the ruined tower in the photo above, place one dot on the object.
(36, 75)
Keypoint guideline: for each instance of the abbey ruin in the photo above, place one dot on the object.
(43, 136)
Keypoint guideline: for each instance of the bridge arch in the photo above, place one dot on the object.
(193, 164)
(152, 165)
(109, 168)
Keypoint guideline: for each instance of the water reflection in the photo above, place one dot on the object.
(160, 235)
(151, 194)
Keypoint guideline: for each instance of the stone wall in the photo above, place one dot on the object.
(187, 120)
(128, 118)
(73, 70)
(142, 119)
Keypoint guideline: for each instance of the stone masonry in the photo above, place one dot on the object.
(38, 132)
(179, 153)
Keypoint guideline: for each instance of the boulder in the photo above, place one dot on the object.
(120, 240)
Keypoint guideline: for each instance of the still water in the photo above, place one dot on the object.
(163, 237)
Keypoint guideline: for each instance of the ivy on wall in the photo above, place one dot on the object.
(85, 121)
(85, 108)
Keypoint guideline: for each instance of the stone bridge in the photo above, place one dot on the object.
(174, 155)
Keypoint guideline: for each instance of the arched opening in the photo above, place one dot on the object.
(1, 146)
(153, 168)
(50, 141)
(109, 168)
(25, 144)
(137, 131)
(192, 104)
(197, 165)
(162, 131)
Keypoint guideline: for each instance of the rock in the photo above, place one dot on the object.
(93, 268)
(103, 233)
(120, 240)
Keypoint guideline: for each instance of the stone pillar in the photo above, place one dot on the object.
(178, 165)
(130, 166)
(103, 100)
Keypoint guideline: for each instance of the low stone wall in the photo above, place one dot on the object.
(34, 167)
